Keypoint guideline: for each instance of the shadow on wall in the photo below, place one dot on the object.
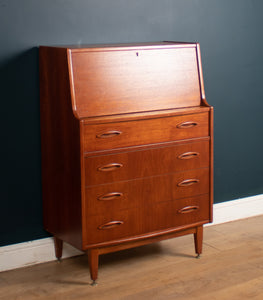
(21, 207)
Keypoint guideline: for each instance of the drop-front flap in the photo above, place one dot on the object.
(128, 79)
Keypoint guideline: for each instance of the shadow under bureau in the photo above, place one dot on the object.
(127, 145)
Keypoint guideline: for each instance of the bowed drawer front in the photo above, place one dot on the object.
(127, 145)
(125, 223)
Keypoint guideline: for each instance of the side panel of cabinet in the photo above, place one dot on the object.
(211, 157)
(60, 147)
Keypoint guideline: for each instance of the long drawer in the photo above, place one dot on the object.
(101, 199)
(116, 225)
(140, 132)
(137, 164)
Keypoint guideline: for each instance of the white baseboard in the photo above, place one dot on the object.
(238, 209)
(31, 253)
(39, 251)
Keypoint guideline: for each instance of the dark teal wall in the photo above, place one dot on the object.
(230, 34)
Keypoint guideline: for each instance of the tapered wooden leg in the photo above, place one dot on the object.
(93, 257)
(58, 248)
(198, 238)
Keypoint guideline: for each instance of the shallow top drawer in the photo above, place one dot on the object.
(134, 133)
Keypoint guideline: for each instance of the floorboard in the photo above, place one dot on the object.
(231, 267)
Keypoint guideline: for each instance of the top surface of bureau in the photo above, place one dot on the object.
(129, 79)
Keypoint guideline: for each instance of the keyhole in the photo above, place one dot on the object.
(137, 54)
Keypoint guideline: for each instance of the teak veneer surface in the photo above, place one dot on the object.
(151, 218)
(145, 191)
(127, 145)
(143, 132)
(159, 160)
(101, 84)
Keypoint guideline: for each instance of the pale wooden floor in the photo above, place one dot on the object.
(231, 268)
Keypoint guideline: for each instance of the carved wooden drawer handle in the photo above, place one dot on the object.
(110, 196)
(108, 134)
(188, 182)
(188, 155)
(110, 225)
(188, 209)
(110, 167)
(188, 124)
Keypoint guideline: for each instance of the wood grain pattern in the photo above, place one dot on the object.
(143, 132)
(147, 219)
(158, 160)
(157, 79)
(127, 146)
(144, 192)
(60, 150)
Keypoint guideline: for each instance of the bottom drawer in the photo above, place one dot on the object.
(127, 223)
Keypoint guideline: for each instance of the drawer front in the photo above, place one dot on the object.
(123, 224)
(133, 133)
(113, 226)
(177, 213)
(146, 191)
(137, 164)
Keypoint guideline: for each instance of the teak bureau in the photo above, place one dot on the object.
(127, 145)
